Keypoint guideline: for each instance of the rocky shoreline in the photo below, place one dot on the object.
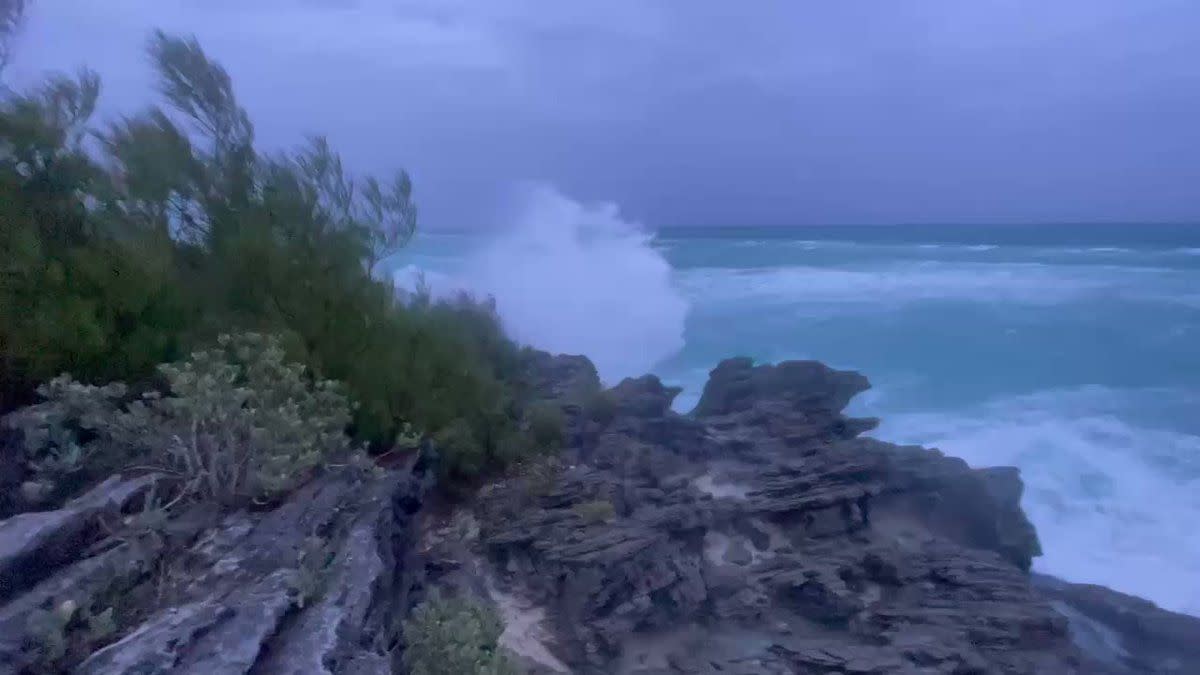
(762, 533)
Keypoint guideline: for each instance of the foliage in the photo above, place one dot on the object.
(49, 627)
(12, 12)
(600, 406)
(594, 512)
(240, 421)
(66, 439)
(541, 476)
(171, 228)
(546, 422)
(64, 626)
(455, 637)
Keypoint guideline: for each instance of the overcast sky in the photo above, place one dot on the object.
(705, 112)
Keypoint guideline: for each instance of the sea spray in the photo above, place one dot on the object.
(573, 278)
(1115, 499)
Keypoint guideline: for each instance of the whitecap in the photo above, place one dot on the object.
(893, 285)
(1115, 499)
(578, 278)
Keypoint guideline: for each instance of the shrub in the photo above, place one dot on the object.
(594, 512)
(546, 422)
(455, 637)
(171, 229)
(241, 422)
(600, 406)
(460, 454)
(175, 229)
(67, 439)
(238, 422)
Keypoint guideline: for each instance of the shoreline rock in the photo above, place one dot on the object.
(760, 533)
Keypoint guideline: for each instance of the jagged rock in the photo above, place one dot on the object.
(335, 561)
(34, 544)
(319, 584)
(559, 377)
(1121, 634)
(223, 633)
(736, 383)
(761, 535)
(105, 575)
(644, 396)
(763, 510)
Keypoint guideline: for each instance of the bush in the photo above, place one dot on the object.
(460, 453)
(455, 637)
(175, 230)
(600, 406)
(240, 422)
(546, 424)
(594, 512)
(67, 440)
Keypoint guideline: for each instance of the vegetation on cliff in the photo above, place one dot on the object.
(131, 244)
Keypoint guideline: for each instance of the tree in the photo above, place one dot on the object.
(12, 15)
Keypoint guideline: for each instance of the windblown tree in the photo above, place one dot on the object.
(128, 245)
(12, 13)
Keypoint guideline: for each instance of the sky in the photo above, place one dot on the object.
(702, 112)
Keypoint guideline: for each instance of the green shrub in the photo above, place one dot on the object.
(600, 406)
(455, 637)
(240, 422)
(594, 512)
(546, 424)
(460, 453)
(175, 230)
(67, 440)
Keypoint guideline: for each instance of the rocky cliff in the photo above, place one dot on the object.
(760, 534)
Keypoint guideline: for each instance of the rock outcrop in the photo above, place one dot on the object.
(318, 585)
(761, 534)
(1122, 635)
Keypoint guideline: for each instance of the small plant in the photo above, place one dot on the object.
(408, 437)
(238, 422)
(596, 511)
(541, 476)
(315, 557)
(67, 627)
(66, 437)
(600, 406)
(455, 637)
(546, 422)
(241, 422)
(100, 626)
(48, 629)
(460, 453)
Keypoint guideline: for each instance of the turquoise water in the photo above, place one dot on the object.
(1072, 352)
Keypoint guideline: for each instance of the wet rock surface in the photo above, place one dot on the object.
(761, 534)
(319, 584)
(1121, 634)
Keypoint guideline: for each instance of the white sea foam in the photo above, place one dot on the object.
(574, 278)
(1115, 501)
(895, 284)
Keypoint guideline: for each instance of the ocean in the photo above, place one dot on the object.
(1070, 351)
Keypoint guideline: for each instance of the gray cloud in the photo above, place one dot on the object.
(706, 112)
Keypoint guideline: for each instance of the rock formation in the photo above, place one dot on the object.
(759, 534)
